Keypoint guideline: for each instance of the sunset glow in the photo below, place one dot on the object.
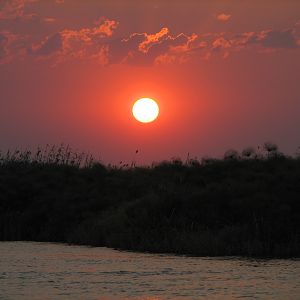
(224, 75)
(145, 110)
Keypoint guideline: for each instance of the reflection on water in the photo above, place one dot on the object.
(54, 271)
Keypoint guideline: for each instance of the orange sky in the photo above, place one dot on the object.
(225, 74)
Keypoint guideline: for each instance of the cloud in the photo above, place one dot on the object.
(11, 46)
(152, 39)
(278, 39)
(49, 46)
(87, 36)
(181, 49)
(12, 9)
(98, 43)
(139, 47)
(16, 15)
(3, 45)
(161, 47)
(158, 48)
(223, 17)
(221, 43)
(105, 27)
(49, 20)
(266, 39)
(82, 44)
(183, 43)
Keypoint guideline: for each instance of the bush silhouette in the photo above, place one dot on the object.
(241, 205)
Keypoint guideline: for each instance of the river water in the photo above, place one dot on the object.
(55, 271)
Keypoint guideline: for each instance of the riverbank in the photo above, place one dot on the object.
(234, 206)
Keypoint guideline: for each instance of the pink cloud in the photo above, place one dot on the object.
(82, 44)
(221, 43)
(158, 48)
(151, 39)
(49, 20)
(181, 49)
(223, 17)
(106, 26)
(86, 35)
(145, 41)
(165, 59)
(188, 43)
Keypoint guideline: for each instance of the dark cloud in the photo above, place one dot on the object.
(9, 46)
(278, 39)
(3, 45)
(23, 17)
(12, 9)
(51, 45)
(267, 40)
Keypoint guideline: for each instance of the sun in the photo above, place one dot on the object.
(145, 110)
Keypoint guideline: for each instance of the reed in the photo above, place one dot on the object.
(243, 204)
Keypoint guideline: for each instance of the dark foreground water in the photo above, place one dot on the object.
(54, 271)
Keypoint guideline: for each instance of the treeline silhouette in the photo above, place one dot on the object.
(245, 204)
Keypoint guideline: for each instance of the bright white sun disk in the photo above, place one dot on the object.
(145, 110)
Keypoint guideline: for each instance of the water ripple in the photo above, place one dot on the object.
(53, 271)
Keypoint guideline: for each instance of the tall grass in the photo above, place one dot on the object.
(50, 154)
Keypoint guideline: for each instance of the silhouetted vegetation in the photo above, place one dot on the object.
(245, 204)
